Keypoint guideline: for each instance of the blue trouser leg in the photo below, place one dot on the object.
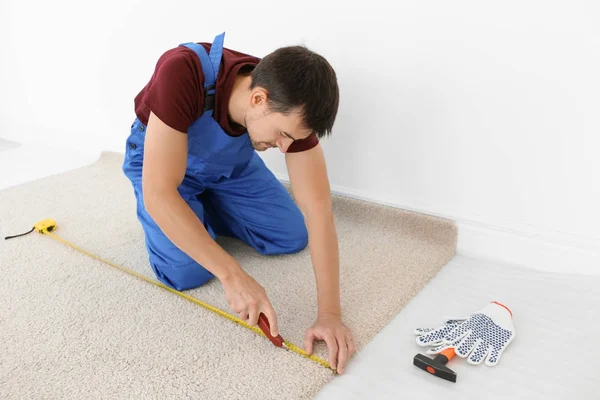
(171, 266)
(252, 206)
(257, 209)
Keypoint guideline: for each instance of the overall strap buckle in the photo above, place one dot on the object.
(210, 67)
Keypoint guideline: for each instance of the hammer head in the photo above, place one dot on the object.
(436, 366)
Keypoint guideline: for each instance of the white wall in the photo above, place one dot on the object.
(486, 113)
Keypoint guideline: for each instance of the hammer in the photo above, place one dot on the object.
(437, 365)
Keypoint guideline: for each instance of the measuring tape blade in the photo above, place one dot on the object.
(46, 227)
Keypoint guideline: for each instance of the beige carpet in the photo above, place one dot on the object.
(72, 327)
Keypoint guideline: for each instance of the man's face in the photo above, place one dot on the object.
(269, 129)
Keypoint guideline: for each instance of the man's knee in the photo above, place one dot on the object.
(171, 265)
(299, 235)
(295, 235)
(181, 277)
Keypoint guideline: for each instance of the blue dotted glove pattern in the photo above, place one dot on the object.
(434, 337)
(478, 336)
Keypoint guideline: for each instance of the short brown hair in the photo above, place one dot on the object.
(298, 78)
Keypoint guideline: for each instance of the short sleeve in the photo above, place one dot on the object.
(176, 92)
(304, 144)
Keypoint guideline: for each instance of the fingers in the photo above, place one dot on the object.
(459, 332)
(422, 331)
(346, 348)
(494, 356)
(480, 351)
(333, 350)
(237, 305)
(437, 336)
(252, 315)
(428, 336)
(351, 345)
(466, 345)
(339, 344)
(342, 355)
(248, 299)
(253, 312)
(308, 341)
(438, 349)
(270, 313)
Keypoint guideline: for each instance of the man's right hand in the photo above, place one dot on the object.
(248, 298)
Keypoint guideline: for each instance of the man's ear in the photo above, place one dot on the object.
(258, 97)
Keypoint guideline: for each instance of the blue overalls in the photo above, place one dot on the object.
(226, 184)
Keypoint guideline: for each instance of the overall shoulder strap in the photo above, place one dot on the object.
(210, 67)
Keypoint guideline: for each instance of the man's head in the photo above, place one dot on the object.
(293, 93)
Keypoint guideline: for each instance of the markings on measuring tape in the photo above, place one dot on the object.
(47, 226)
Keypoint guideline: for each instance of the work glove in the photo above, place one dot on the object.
(487, 332)
(436, 337)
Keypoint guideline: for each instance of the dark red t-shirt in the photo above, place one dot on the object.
(175, 92)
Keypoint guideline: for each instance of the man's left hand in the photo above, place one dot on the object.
(331, 329)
